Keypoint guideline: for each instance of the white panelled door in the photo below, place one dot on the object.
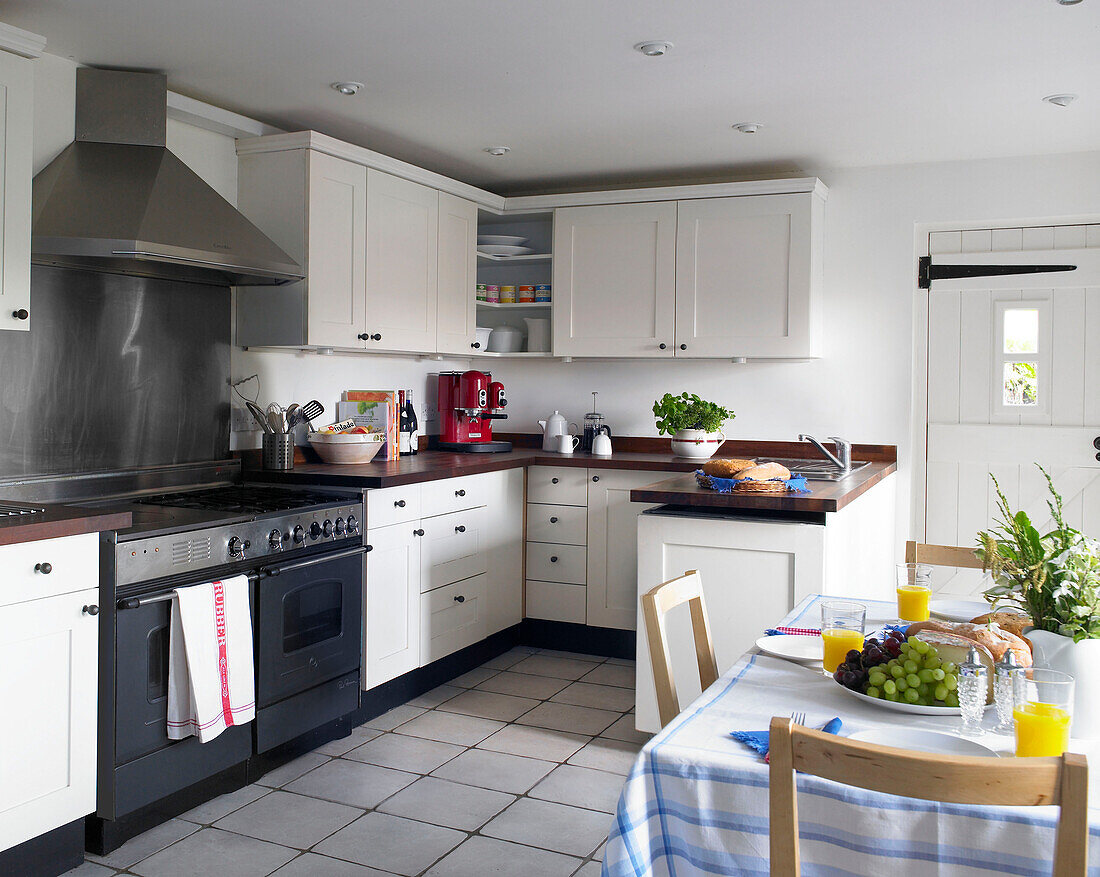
(1013, 380)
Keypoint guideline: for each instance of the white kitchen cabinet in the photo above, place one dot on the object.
(452, 617)
(503, 493)
(401, 271)
(615, 280)
(746, 276)
(613, 546)
(16, 125)
(49, 649)
(452, 548)
(391, 604)
(457, 275)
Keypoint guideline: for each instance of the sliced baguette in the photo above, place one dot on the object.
(951, 647)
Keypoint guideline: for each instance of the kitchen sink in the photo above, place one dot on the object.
(818, 470)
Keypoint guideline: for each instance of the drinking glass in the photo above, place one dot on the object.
(842, 627)
(913, 582)
(1043, 711)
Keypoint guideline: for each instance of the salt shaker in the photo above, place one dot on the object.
(1003, 694)
(973, 691)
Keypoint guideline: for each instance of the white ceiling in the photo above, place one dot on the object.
(836, 82)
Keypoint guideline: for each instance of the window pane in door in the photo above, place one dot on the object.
(1021, 330)
(1021, 384)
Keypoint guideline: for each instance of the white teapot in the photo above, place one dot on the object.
(554, 426)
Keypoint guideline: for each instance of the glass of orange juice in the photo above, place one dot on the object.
(1043, 711)
(913, 582)
(842, 626)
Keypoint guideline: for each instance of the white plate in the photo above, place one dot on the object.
(958, 610)
(914, 709)
(920, 740)
(792, 647)
(504, 240)
(500, 250)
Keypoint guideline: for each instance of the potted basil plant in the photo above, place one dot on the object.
(1055, 578)
(694, 424)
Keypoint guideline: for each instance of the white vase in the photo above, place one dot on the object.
(696, 444)
(1081, 660)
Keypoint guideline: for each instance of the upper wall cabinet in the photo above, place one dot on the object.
(16, 122)
(457, 275)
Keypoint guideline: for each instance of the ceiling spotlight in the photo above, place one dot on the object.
(497, 150)
(347, 88)
(748, 127)
(1060, 100)
(654, 48)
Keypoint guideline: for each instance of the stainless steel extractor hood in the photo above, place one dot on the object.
(117, 200)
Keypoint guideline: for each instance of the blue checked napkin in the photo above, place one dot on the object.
(758, 740)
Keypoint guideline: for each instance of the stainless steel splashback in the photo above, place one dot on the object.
(116, 372)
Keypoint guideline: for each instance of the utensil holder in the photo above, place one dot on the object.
(278, 450)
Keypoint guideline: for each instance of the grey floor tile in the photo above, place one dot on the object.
(560, 668)
(211, 851)
(402, 752)
(581, 787)
(603, 753)
(474, 677)
(313, 865)
(566, 717)
(453, 805)
(90, 869)
(611, 674)
(624, 729)
(352, 783)
(440, 694)
(211, 811)
(590, 869)
(576, 656)
(495, 770)
(291, 820)
(391, 843)
(535, 742)
(485, 855)
(489, 705)
(357, 737)
(622, 662)
(550, 826)
(451, 727)
(292, 770)
(503, 662)
(598, 855)
(607, 697)
(397, 716)
(524, 685)
(144, 845)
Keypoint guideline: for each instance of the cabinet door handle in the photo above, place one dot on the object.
(460, 529)
(460, 493)
(663, 346)
(553, 520)
(363, 336)
(400, 504)
(90, 610)
(595, 477)
(683, 347)
(460, 599)
(476, 345)
(553, 558)
(553, 480)
(44, 568)
(377, 336)
(1096, 443)
(418, 532)
(21, 314)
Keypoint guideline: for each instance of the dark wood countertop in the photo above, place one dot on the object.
(60, 520)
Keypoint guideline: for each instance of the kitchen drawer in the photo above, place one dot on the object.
(451, 618)
(452, 548)
(393, 505)
(561, 485)
(556, 563)
(452, 494)
(555, 601)
(72, 561)
(567, 524)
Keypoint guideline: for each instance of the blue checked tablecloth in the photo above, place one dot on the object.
(696, 801)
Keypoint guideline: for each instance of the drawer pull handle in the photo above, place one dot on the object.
(400, 504)
(418, 532)
(44, 568)
(460, 599)
(460, 493)
(553, 558)
(553, 520)
(595, 477)
(553, 480)
(683, 347)
(90, 610)
(460, 528)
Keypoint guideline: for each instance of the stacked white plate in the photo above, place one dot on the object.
(502, 245)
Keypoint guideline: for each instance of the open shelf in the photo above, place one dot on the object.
(521, 354)
(530, 257)
(514, 306)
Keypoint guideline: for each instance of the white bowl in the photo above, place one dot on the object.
(344, 448)
(506, 339)
(483, 333)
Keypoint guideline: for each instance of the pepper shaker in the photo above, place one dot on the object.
(1003, 690)
(973, 691)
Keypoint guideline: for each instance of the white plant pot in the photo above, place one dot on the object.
(695, 444)
(1082, 661)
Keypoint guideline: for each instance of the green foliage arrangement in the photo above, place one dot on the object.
(688, 411)
(1054, 577)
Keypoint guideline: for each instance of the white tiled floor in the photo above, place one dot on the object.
(512, 768)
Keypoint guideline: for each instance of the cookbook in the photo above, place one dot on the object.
(378, 411)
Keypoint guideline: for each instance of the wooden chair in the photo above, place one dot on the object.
(1017, 782)
(656, 604)
(941, 555)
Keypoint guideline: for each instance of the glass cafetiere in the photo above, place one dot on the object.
(593, 426)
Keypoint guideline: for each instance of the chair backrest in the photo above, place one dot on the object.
(941, 555)
(952, 779)
(656, 604)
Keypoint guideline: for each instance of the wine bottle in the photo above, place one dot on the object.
(414, 426)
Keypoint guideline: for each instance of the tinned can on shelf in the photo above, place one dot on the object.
(525, 294)
(481, 292)
(507, 295)
(492, 293)
(542, 292)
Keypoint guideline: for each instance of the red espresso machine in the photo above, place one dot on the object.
(468, 403)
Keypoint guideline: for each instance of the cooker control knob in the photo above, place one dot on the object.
(314, 530)
(341, 527)
(275, 540)
(237, 547)
(327, 529)
(353, 525)
(299, 535)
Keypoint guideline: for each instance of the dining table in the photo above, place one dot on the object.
(696, 800)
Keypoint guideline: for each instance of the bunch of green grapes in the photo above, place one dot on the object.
(917, 676)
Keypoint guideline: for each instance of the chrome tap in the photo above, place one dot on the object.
(843, 458)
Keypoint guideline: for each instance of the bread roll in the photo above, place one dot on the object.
(1013, 622)
(994, 639)
(951, 647)
(726, 468)
(765, 472)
